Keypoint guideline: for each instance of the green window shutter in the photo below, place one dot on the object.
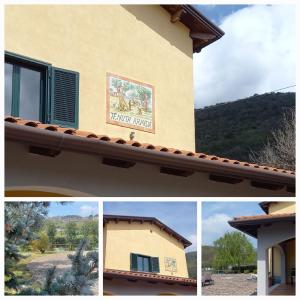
(154, 264)
(133, 262)
(64, 97)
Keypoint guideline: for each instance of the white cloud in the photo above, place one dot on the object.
(257, 54)
(193, 239)
(214, 227)
(86, 210)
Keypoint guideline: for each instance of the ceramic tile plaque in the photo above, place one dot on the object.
(170, 264)
(130, 103)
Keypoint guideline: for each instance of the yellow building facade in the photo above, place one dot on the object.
(135, 41)
(145, 239)
(282, 208)
(143, 248)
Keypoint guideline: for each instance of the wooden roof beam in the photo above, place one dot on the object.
(176, 15)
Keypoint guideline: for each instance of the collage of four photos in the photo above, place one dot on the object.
(149, 149)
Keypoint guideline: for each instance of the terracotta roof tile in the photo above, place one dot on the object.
(86, 134)
(134, 143)
(263, 217)
(149, 276)
(251, 224)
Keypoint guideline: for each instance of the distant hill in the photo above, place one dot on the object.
(74, 218)
(191, 259)
(235, 128)
(208, 254)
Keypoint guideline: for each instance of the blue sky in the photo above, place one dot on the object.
(256, 55)
(81, 208)
(217, 13)
(180, 216)
(215, 216)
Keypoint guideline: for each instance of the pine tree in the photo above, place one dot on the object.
(77, 281)
(22, 220)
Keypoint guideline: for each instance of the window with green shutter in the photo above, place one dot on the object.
(64, 97)
(143, 263)
(36, 90)
(155, 264)
(133, 262)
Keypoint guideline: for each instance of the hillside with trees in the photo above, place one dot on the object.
(191, 260)
(235, 129)
(208, 255)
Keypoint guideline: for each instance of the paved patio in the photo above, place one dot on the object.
(230, 284)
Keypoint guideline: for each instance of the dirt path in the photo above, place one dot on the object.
(230, 284)
(38, 266)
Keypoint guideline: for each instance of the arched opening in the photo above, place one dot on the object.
(25, 193)
(276, 263)
(43, 191)
(281, 268)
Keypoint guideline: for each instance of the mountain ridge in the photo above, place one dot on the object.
(236, 128)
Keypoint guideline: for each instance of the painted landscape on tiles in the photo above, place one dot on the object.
(130, 103)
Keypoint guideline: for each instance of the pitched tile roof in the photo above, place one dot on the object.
(213, 164)
(250, 224)
(264, 217)
(153, 277)
(155, 221)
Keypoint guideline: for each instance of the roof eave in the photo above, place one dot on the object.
(111, 273)
(62, 141)
(186, 243)
(265, 205)
(244, 224)
(197, 18)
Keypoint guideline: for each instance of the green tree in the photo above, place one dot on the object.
(235, 250)
(51, 231)
(89, 230)
(42, 243)
(71, 233)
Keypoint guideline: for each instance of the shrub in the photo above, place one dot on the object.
(41, 244)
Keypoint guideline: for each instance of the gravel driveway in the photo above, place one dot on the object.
(39, 266)
(230, 284)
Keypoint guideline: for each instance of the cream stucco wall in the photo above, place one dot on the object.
(76, 174)
(147, 239)
(282, 208)
(276, 263)
(138, 42)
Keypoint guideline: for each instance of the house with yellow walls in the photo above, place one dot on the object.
(276, 246)
(143, 256)
(99, 102)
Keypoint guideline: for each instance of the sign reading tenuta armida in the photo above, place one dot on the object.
(130, 103)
